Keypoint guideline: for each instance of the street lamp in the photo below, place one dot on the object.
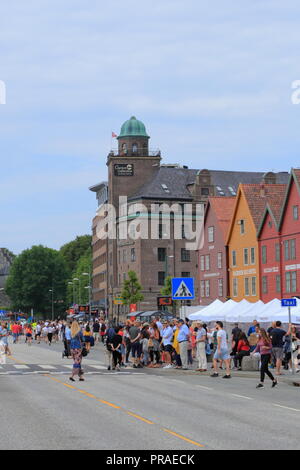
(52, 293)
(89, 287)
(77, 279)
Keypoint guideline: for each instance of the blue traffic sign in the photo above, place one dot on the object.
(288, 303)
(183, 288)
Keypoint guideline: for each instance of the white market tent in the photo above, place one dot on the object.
(202, 314)
(245, 312)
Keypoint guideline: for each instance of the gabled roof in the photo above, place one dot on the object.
(257, 197)
(273, 207)
(223, 210)
(294, 177)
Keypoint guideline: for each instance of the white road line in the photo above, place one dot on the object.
(204, 388)
(67, 365)
(97, 367)
(20, 366)
(46, 367)
(285, 407)
(241, 396)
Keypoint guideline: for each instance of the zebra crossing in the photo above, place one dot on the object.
(56, 369)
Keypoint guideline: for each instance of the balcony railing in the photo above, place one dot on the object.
(139, 152)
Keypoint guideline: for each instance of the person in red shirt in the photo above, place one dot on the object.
(15, 332)
(243, 349)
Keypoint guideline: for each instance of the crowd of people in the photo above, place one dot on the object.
(166, 344)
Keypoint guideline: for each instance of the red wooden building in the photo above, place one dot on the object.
(279, 243)
(213, 263)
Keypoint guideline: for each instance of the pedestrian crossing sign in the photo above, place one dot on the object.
(183, 288)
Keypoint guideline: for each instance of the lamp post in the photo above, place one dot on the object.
(77, 279)
(52, 302)
(89, 287)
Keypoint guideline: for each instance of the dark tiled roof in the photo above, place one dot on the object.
(177, 181)
(258, 196)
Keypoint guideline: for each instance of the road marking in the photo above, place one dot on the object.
(122, 409)
(20, 366)
(139, 417)
(109, 404)
(46, 367)
(241, 396)
(183, 438)
(285, 407)
(204, 388)
(97, 367)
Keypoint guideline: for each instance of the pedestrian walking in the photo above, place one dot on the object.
(264, 347)
(76, 351)
(201, 338)
(183, 340)
(277, 336)
(4, 333)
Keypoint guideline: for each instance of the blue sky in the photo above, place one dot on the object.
(211, 81)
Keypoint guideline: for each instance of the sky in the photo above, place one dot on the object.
(212, 81)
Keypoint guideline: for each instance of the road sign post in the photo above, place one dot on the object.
(290, 303)
(183, 289)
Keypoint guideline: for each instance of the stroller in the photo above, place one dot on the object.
(67, 350)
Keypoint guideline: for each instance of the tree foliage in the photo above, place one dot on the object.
(84, 265)
(131, 292)
(33, 273)
(74, 250)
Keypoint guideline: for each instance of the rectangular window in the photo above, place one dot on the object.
(246, 282)
(252, 255)
(286, 245)
(161, 278)
(124, 256)
(295, 213)
(277, 252)
(162, 231)
(185, 255)
(278, 283)
(220, 287)
(202, 263)
(110, 258)
(293, 248)
(219, 260)
(132, 254)
(124, 276)
(202, 289)
(207, 262)
(235, 287)
(288, 283)
(161, 254)
(264, 254)
(233, 258)
(265, 284)
(185, 274)
(207, 288)
(294, 281)
(246, 256)
(242, 226)
(211, 235)
(253, 285)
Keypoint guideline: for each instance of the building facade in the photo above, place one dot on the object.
(213, 263)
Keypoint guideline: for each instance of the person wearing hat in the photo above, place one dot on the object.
(201, 338)
(183, 340)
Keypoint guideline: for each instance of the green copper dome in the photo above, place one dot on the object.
(133, 128)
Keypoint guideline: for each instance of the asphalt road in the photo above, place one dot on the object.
(147, 409)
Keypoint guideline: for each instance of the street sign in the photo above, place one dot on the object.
(183, 288)
(118, 301)
(288, 303)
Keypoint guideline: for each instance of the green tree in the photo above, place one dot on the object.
(167, 291)
(74, 250)
(131, 292)
(33, 273)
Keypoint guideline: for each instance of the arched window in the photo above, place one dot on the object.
(134, 148)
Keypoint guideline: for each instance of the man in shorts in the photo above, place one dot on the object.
(167, 338)
(277, 336)
(222, 351)
(136, 347)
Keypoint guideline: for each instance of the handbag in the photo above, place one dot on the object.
(84, 352)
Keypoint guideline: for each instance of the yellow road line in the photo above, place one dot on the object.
(16, 360)
(183, 438)
(139, 417)
(109, 404)
(122, 409)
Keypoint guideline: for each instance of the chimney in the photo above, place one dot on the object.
(262, 190)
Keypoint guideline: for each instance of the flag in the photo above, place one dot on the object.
(113, 135)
